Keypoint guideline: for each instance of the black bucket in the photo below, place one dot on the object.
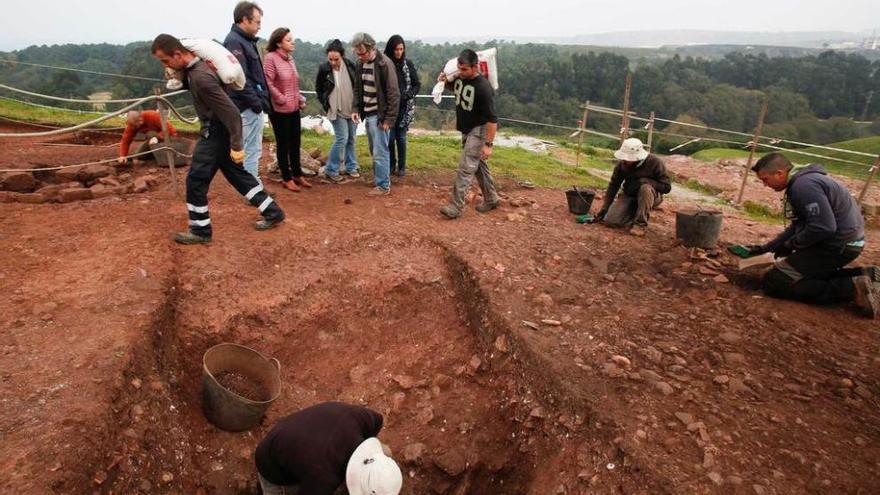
(579, 201)
(698, 228)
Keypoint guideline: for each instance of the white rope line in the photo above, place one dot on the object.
(76, 100)
(16, 62)
(99, 162)
(99, 119)
(773, 140)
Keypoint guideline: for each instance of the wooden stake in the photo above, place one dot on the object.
(168, 153)
(869, 180)
(742, 188)
(624, 118)
(650, 131)
(577, 160)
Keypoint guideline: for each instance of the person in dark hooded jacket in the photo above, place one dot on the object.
(409, 85)
(826, 232)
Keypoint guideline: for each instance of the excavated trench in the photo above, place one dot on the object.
(424, 350)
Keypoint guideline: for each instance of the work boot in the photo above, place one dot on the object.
(353, 175)
(486, 207)
(638, 230)
(378, 191)
(450, 212)
(269, 223)
(190, 238)
(873, 273)
(867, 297)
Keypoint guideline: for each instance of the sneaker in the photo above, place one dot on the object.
(867, 297)
(190, 238)
(269, 223)
(450, 212)
(354, 175)
(335, 179)
(486, 207)
(378, 191)
(638, 230)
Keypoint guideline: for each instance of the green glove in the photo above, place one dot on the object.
(587, 218)
(745, 251)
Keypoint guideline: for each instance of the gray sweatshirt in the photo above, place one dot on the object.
(212, 102)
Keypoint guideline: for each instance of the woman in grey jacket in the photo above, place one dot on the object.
(409, 84)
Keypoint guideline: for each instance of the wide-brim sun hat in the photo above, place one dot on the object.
(631, 150)
(371, 472)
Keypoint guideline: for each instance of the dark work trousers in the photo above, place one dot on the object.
(815, 275)
(627, 210)
(210, 154)
(286, 127)
(397, 150)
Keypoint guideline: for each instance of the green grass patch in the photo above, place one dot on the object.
(714, 154)
(695, 185)
(761, 213)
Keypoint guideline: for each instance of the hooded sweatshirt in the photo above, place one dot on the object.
(821, 210)
(311, 448)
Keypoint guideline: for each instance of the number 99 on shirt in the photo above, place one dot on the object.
(464, 95)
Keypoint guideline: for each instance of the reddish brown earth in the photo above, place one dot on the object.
(513, 352)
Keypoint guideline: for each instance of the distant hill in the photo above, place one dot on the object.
(684, 37)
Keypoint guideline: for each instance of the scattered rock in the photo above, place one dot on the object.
(612, 371)
(621, 361)
(442, 381)
(684, 417)
(650, 376)
(425, 415)
(544, 299)
(140, 185)
(730, 337)
(501, 344)
(474, 364)
(167, 477)
(405, 382)
(734, 358)
(397, 401)
(74, 194)
(23, 182)
(664, 387)
(91, 173)
(734, 480)
(145, 486)
(451, 463)
(721, 379)
(100, 477)
(413, 453)
(708, 460)
(716, 478)
(737, 386)
(538, 412)
(759, 490)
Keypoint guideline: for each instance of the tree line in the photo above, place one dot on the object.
(817, 98)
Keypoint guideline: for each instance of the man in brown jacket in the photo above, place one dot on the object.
(644, 180)
(377, 98)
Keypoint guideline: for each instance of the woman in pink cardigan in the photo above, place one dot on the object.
(283, 81)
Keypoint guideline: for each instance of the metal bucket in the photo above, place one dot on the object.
(698, 228)
(226, 409)
(579, 201)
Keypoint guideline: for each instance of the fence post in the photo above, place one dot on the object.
(169, 154)
(624, 119)
(742, 188)
(869, 180)
(650, 131)
(577, 160)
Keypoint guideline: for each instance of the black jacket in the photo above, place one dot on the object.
(387, 91)
(324, 83)
(651, 170)
(415, 83)
(821, 210)
(255, 94)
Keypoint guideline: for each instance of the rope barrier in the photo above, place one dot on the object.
(99, 162)
(102, 130)
(77, 100)
(48, 107)
(128, 76)
(100, 119)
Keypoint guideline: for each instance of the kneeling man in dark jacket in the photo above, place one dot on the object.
(644, 180)
(826, 232)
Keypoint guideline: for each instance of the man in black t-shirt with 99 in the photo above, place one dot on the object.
(476, 119)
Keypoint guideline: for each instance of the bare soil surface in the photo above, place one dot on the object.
(515, 352)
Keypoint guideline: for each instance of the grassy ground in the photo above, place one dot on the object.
(60, 117)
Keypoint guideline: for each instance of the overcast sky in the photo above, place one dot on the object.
(121, 21)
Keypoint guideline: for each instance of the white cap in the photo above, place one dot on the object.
(371, 472)
(631, 150)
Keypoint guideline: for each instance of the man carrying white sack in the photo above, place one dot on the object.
(477, 121)
(313, 451)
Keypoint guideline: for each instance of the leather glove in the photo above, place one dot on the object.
(237, 156)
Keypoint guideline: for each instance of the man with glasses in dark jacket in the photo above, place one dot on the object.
(253, 100)
(826, 233)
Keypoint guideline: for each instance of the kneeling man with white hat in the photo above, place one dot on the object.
(314, 450)
(644, 180)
